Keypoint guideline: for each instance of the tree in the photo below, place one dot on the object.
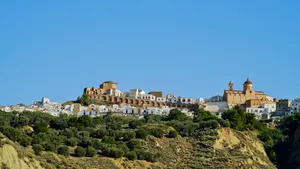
(131, 155)
(100, 133)
(157, 132)
(64, 150)
(173, 134)
(71, 141)
(236, 116)
(25, 140)
(141, 133)
(85, 142)
(41, 127)
(152, 118)
(113, 123)
(37, 148)
(108, 139)
(91, 152)
(122, 145)
(202, 115)
(84, 100)
(136, 144)
(60, 122)
(176, 114)
(128, 135)
(80, 152)
(96, 143)
(209, 124)
(114, 152)
(49, 146)
(133, 124)
(146, 155)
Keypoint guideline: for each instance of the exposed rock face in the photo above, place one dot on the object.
(243, 149)
(10, 157)
(223, 148)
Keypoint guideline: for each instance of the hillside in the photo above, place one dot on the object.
(221, 148)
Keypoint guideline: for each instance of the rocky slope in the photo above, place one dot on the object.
(222, 148)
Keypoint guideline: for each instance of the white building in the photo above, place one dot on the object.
(169, 96)
(295, 106)
(271, 99)
(90, 113)
(6, 109)
(200, 101)
(187, 100)
(134, 93)
(114, 92)
(161, 99)
(173, 100)
(158, 110)
(262, 112)
(147, 97)
(18, 108)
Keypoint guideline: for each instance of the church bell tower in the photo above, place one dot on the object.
(230, 86)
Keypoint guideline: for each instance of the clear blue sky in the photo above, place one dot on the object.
(193, 48)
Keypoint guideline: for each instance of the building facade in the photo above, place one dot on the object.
(283, 104)
(295, 106)
(247, 97)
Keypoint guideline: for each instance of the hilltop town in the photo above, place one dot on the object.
(136, 102)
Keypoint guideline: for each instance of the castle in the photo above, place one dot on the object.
(108, 92)
(246, 97)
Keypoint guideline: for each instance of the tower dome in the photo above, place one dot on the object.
(248, 81)
(248, 85)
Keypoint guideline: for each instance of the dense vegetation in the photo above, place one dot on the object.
(282, 142)
(116, 137)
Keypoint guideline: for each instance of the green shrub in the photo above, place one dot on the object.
(41, 127)
(71, 142)
(224, 123)
(157, 132)
(135, 144)
(173, 134)
(142, 133)
(113, 152)
(148, 156)
(131, 155)
(100, 133)
(176, 114)
(80, 152)
(64, 150)
(96, 143)
(133, 124)
(128, 135)
(85, 142)
(123, 146)
(83, 134)
(25, 140)
(209, 124)
(37, 148)
(49, 147)
(108, 139)
(91, 152)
